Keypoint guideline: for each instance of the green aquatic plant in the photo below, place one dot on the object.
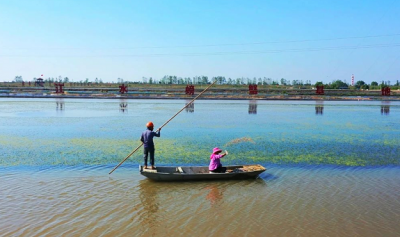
(239, 140)
(332, 146)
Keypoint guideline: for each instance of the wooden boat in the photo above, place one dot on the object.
(182, 173)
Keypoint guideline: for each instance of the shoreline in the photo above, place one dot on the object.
(177, 92)
(211, 97)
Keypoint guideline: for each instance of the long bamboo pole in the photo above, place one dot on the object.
(137, 148)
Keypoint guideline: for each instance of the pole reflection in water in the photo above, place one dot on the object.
(189, 108)
(319, 108)
(385, 107)
(252, 107)
(123, 106)
(60, 104)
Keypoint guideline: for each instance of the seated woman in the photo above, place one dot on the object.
(215, 163)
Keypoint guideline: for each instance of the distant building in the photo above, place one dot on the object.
(39, 82)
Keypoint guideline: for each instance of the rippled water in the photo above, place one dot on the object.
(285, 201)
(333, 168)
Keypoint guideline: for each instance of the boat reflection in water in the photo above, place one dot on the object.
(190, 107)
(60, 104)
(319, 107)
(385, 107)
(252, 107)
(123, 106)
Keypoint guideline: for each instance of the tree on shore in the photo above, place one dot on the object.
(18, 79)
(220, 80)
(319, 83)
(359, 84)
(338, 84)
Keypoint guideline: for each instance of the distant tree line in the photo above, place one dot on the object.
(338, 84)
(221, 80)
(60, 79)
(200, 80)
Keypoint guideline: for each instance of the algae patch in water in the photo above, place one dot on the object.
(239, 140)
(314, 150)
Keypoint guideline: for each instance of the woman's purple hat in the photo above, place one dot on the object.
(216, 150)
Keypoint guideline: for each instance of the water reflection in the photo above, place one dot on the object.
(214, 195)
(319, 108)
(123, 106)
(385, 107)
(189, 108)
(148, 199)
(60, 104)
(252, 107)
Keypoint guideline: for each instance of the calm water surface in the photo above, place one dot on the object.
(333, 168)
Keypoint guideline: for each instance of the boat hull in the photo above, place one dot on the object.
(194, 173)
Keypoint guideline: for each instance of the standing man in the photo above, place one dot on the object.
(147, 139)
